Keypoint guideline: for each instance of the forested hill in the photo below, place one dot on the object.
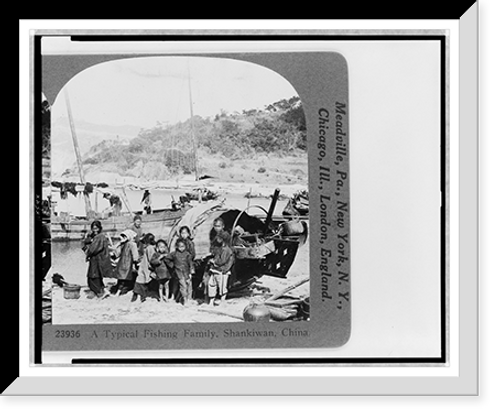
(278, 129)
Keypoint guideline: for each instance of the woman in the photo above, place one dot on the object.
(96, 248)
(128, 256)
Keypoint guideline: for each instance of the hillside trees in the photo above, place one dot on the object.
(279, 128)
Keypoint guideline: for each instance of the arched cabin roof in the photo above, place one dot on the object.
(200, 219)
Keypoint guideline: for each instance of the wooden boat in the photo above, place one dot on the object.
(159, 222)
(203, 194)
(265, 247)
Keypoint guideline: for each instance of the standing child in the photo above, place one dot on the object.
(180, 260)
(160, 265)
(127, 254)
(185, 233)
(218, 229)
(219, 269)
(141, 287)
(136, 227)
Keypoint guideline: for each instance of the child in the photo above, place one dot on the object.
(218, 229)
(144, 277)
(182, 263)
(185, 234)
(219, 269)
(136, 227)
(159, 263)
(128, 256)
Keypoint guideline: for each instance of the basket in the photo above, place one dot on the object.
(72, 291)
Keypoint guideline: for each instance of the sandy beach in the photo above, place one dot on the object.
(120, 309)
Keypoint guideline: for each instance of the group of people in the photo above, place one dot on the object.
(150, 269)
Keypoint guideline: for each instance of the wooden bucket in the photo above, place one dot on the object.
(72, 291)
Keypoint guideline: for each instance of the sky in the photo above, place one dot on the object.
(144, 91)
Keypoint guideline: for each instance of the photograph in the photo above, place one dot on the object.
(236, 210)
(175, 191)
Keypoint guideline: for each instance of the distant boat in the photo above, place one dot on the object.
(199, 194)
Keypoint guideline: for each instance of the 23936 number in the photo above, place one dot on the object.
(67, 334)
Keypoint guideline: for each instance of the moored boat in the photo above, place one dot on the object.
(65, 227)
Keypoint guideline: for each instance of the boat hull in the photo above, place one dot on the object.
(158, 223)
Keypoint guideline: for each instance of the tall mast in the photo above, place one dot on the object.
(193, 139)
(88, 207)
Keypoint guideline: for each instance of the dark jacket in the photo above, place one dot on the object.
(128, 255)
(180, 261)
(97, 253)
(223, 259)
(160, 266)
(190, 248)
(226, 237)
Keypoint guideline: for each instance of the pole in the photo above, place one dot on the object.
(287, 289)
(88, 207)
(193, 140)
(125, 200)
(271, 209)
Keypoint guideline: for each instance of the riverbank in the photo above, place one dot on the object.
(120, 309)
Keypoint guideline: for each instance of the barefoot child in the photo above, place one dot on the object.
(180, 260)
(219, 269)
(141, 287)
(160, 265)
(185, 233)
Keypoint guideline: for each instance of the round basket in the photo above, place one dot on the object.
(72, 291)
